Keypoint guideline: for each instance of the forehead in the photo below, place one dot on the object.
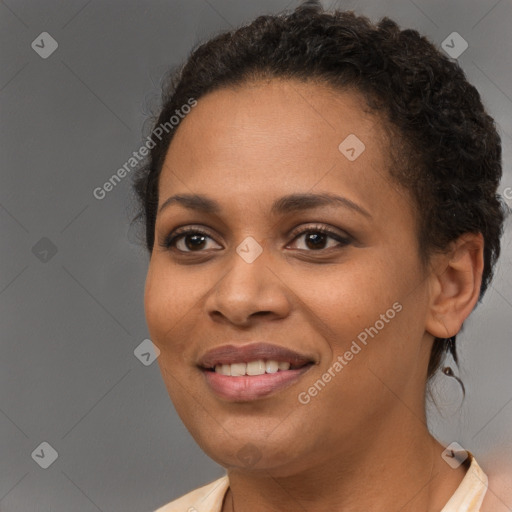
(276, 137)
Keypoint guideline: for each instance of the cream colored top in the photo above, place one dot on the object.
(467, 497)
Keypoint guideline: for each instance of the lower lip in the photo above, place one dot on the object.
(252, 387)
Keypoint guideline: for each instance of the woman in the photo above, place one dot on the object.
(321, 216)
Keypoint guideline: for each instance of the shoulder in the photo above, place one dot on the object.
(470, 494)
(208, 497)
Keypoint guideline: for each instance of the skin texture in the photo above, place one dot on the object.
(362, 442)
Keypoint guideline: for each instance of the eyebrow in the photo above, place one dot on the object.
(286, 204)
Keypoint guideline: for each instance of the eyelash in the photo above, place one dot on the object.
(173, 237)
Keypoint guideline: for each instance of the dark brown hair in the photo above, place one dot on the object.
(448, 152)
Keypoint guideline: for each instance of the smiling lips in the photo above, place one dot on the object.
(249, 372)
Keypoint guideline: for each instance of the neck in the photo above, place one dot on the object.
(397, 467)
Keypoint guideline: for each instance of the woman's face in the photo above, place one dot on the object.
(258, 282)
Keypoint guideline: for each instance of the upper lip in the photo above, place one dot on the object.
(229, 354)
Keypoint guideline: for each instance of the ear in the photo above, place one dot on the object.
(455, 285)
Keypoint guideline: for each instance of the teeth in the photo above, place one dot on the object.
(238, 369)
(258, 367)
(271, 366)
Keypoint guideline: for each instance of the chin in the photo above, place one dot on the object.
(278, 453)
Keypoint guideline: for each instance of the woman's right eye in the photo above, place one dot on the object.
(187, 240)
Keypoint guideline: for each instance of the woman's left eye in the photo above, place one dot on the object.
(316, 238)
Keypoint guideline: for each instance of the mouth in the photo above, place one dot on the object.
(250, 372)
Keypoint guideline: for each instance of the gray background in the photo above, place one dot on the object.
(72, 320)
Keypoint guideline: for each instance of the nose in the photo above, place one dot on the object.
(248, 290)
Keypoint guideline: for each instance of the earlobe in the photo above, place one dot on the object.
(455, 285)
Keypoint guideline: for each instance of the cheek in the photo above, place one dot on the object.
(172, 302)
(345, 299)
(164, 305)
(165, 309)
(368, 312)
(154, 304)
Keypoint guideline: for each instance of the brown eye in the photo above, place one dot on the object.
(316, 238)
(195, 241)
(187, 240)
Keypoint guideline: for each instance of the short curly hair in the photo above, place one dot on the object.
(446, 147)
